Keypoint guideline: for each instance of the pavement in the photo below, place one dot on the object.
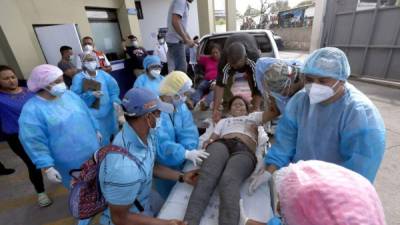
(18, 201)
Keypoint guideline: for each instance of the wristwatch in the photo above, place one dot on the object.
(180, 178)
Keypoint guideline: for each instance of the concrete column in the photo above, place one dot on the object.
(205, 10)
(230, 13)
(129, 23)
(318, 24)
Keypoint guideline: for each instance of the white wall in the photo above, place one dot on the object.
(155, 14)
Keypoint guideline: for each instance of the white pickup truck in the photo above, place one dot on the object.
(265, 40)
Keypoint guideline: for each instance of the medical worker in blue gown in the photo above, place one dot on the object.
(329, 120)
(279, 79)
(178, 137)
(106, 113)
(57, 129)
(152, 78)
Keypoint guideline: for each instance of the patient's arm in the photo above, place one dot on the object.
(271, 112)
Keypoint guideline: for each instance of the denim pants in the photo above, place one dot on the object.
(176, 57)
(202, 88)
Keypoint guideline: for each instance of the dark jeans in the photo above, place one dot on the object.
(203, 88)
(227, 168)
(176, 57)
(35, 175)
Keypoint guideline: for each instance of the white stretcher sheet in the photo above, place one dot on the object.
(257, 206)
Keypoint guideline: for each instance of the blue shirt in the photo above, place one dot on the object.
(10, 109)
(144, 81)
(121, 179)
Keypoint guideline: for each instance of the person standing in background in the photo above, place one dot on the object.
(161, 50)
(66, 64)
(136, 54)
(103, 101)
(101, 58)
(177, 36)
(193, 57)
(12, 99)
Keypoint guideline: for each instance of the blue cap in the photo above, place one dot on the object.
(327, 62)
(151, 60)
(139, 101)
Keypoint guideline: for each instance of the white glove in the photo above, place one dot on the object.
(196, 156)
(53, 175)
(99, 136)
(120, 113)
(257, 180)
(97, 94)
(243, 218)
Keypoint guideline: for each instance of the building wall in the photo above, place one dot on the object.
(17, 18)
(155, 13)
(296, 38)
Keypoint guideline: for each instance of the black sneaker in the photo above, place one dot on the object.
(6, 171)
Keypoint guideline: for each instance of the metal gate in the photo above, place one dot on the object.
(370, 37)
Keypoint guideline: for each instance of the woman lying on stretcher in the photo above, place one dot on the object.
(232, 159)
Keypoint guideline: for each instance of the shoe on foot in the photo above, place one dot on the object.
(44, 200)
(6, 171)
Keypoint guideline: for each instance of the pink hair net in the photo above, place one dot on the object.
(42, 76)
(320, 193)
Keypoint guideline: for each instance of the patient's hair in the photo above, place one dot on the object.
(236, 52)
(238, 97)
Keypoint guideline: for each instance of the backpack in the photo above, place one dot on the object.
(85, 198)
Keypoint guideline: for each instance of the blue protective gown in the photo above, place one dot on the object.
(349, 132)
(177, 133)
(105, 115)
(144, 81)
(59, 133)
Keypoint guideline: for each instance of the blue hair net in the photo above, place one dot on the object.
(151, 60)
(327, 62)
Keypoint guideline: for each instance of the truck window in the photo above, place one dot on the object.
(263, 43)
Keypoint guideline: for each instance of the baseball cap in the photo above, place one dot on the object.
(139, 101)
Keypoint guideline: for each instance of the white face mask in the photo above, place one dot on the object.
(179, 101)
(155, 73)
(135, 43)
(87, 48)
(91, 66)
(319, 93)
(58, 89)
(161, 41)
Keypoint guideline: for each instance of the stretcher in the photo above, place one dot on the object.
(257, 206)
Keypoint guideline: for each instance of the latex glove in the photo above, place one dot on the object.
(53, 175)
(243, 217)
(196, 156)
(99, 136)
(120, 113)
(97, 94)
(257, 180)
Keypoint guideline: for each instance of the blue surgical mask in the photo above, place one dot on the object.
(280, 101)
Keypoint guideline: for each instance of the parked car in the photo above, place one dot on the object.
(265, 40)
